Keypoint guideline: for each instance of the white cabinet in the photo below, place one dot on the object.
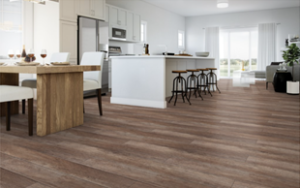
(99, 9)
(133, 27)
(91, 8)
(68, 10)
(129, 34)
(68, 39)
(117, 16)
(84, 8)
(136, 28)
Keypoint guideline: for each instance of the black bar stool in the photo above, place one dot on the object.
(212, 79)
(192, 83)
(203, 82)
(179, 79)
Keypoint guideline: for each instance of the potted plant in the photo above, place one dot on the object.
(292, 56)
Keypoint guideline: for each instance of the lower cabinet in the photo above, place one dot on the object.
(68, 39)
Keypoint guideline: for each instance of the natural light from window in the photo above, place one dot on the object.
(238, 50)
(143, 31)
(10, 26)
(180, 39)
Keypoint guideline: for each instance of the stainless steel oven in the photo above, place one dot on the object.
(118, 33)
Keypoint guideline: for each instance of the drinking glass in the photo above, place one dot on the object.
(31, 54)
(18, 54)
(43, 55)
(10, 54)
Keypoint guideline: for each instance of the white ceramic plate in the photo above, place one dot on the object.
(1, 63)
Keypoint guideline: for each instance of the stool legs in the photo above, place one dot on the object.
(190, 80)
(182, 81)
(203, 83)
(213, 81)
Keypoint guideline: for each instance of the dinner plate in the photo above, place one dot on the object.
(1, 63)
(28, 64)
(60, 63)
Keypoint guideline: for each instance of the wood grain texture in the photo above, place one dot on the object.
(9, 79)
(59, 102)
(49, 69)
(242, 138)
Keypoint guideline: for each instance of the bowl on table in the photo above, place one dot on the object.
(202, 54)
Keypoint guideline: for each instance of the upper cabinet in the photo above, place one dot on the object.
(136, 28)
(68, 10)
(92, 8)
(117, 16)
(121, 18)
(133, 27)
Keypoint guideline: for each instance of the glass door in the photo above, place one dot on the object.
(238, 51)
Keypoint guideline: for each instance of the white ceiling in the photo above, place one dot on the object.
(208, 7)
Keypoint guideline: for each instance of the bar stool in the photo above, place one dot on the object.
(192, 83)
(179, 79)
(212, 79)
(203, 82)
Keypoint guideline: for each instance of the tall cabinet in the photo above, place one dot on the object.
(69, 12)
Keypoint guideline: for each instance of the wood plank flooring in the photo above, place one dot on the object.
(241, 138)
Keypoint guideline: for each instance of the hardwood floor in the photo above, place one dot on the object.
(241, 138)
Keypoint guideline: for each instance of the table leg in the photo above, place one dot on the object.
(9, 79)
(59, 102)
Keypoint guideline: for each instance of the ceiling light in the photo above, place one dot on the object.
(222, 4)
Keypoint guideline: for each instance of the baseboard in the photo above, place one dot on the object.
(138, 102)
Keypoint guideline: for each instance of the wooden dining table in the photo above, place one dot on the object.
(59, 94)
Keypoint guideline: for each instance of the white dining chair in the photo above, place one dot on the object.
(15, 93)
(93, 80)
(55, 57)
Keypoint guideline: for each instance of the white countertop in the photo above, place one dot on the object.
(161, 56)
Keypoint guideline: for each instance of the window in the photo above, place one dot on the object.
(144, 31)
(181, 39)
(238, 50)
(10, 26)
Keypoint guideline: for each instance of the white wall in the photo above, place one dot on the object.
(162, 26)
(46, 29)
(288, 19)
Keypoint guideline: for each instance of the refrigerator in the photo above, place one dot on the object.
(93, 37)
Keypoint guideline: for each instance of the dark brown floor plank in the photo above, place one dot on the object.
(241, 138)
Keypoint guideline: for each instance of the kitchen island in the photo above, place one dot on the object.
(148, 80)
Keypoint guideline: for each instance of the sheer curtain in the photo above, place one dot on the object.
(212, 44)
(266, 44)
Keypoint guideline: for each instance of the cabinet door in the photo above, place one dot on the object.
(122, 17)
(99, 9)
(84, 8)
(113, 15)
(136, 27)
(68, 39)
(106, 11)
(68, 10)
(129, 33)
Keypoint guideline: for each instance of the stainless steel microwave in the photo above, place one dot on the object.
(118, 33)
